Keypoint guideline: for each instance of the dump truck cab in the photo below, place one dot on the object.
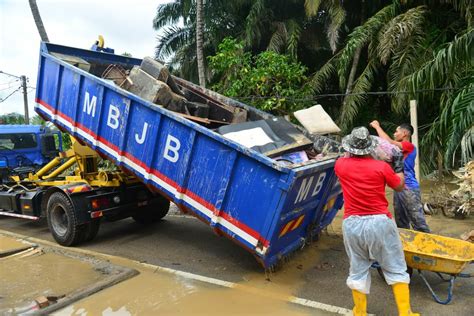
(30, 146)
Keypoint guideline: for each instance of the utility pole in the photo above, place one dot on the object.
(25, 94)
(25, 99)
(414, 123)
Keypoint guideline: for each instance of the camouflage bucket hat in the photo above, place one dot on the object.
(359, 142)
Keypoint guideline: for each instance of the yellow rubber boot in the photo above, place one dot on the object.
(402, 298)
(360, 303)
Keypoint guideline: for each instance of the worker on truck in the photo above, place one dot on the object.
(368, 229)
(406, 203)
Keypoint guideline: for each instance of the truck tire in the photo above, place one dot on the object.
(62, 221)
(91, 229)
(153, 212)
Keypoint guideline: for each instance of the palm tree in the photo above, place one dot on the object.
(411, 47)
(279, 25)
(38, 21)
(199, 37)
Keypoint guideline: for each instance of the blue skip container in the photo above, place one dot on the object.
(266, 207)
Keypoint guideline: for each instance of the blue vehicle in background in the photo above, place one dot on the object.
(28, 147)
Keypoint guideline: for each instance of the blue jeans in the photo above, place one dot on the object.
(409, 210)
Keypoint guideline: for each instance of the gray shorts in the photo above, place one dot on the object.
(373, 238)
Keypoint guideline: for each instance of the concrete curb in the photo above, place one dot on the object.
(197, 277)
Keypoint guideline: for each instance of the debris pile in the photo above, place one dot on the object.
(455, 203)
(463, 194)
(276, 138)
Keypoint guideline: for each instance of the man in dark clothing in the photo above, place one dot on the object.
(407, 203)
(368, 229)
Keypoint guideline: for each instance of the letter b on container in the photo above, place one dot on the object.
(171, 148)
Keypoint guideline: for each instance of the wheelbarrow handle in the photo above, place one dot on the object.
(435, 296)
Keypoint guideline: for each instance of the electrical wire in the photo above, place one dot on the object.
(320, 96)
(1, 100)
(9, 83)
(10, 75)
(8, 88)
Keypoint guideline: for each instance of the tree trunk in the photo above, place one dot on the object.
(38, 21)
(355, 61)
(199, 41)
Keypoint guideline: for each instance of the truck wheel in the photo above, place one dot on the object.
(62, 220)
(91, 229)
(153, 212)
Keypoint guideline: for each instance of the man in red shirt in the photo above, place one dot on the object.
(406, 203)
(369, 232)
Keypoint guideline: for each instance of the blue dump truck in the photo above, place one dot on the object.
(28, 146)
(269, 206)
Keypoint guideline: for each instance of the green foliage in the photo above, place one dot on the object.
(12, 118)
(414, 49)
(419, 50)
(337, 16)
(269, 81)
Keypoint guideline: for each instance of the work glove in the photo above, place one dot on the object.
(397, 161)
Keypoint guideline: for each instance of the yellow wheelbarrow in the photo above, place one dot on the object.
(439, 254)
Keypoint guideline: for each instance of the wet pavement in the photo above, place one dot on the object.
(32, 275)
(317, 273)
(50, 271)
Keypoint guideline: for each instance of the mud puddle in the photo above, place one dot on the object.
(164, 294)
(41, 272)
(153, 291)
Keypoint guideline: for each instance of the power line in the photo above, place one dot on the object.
(7, 88)
(320, 96)
(1, 100)
(9, 83)
(10, 75)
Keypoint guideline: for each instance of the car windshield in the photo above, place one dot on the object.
(17, 141)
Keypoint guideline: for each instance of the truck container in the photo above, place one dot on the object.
(268, 208)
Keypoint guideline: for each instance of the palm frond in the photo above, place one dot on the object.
(320, 79)
(355, 101)
(396, 33)
(458, 54)
(361, 36)
(311, 7)
(338, 16)
(294, 33)
(279, 38)
(253, 22)
(405, 60)
(166, 14)
(172, 39)
(462, 113)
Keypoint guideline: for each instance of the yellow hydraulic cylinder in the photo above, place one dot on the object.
(50, 165)
(58, 171)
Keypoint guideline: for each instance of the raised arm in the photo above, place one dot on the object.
(376, 125)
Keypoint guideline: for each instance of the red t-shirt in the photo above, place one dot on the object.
(363, 183)
(407, 148)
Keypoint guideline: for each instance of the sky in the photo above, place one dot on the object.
(125, 25)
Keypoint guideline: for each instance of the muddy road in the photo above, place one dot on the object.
(317, 273)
